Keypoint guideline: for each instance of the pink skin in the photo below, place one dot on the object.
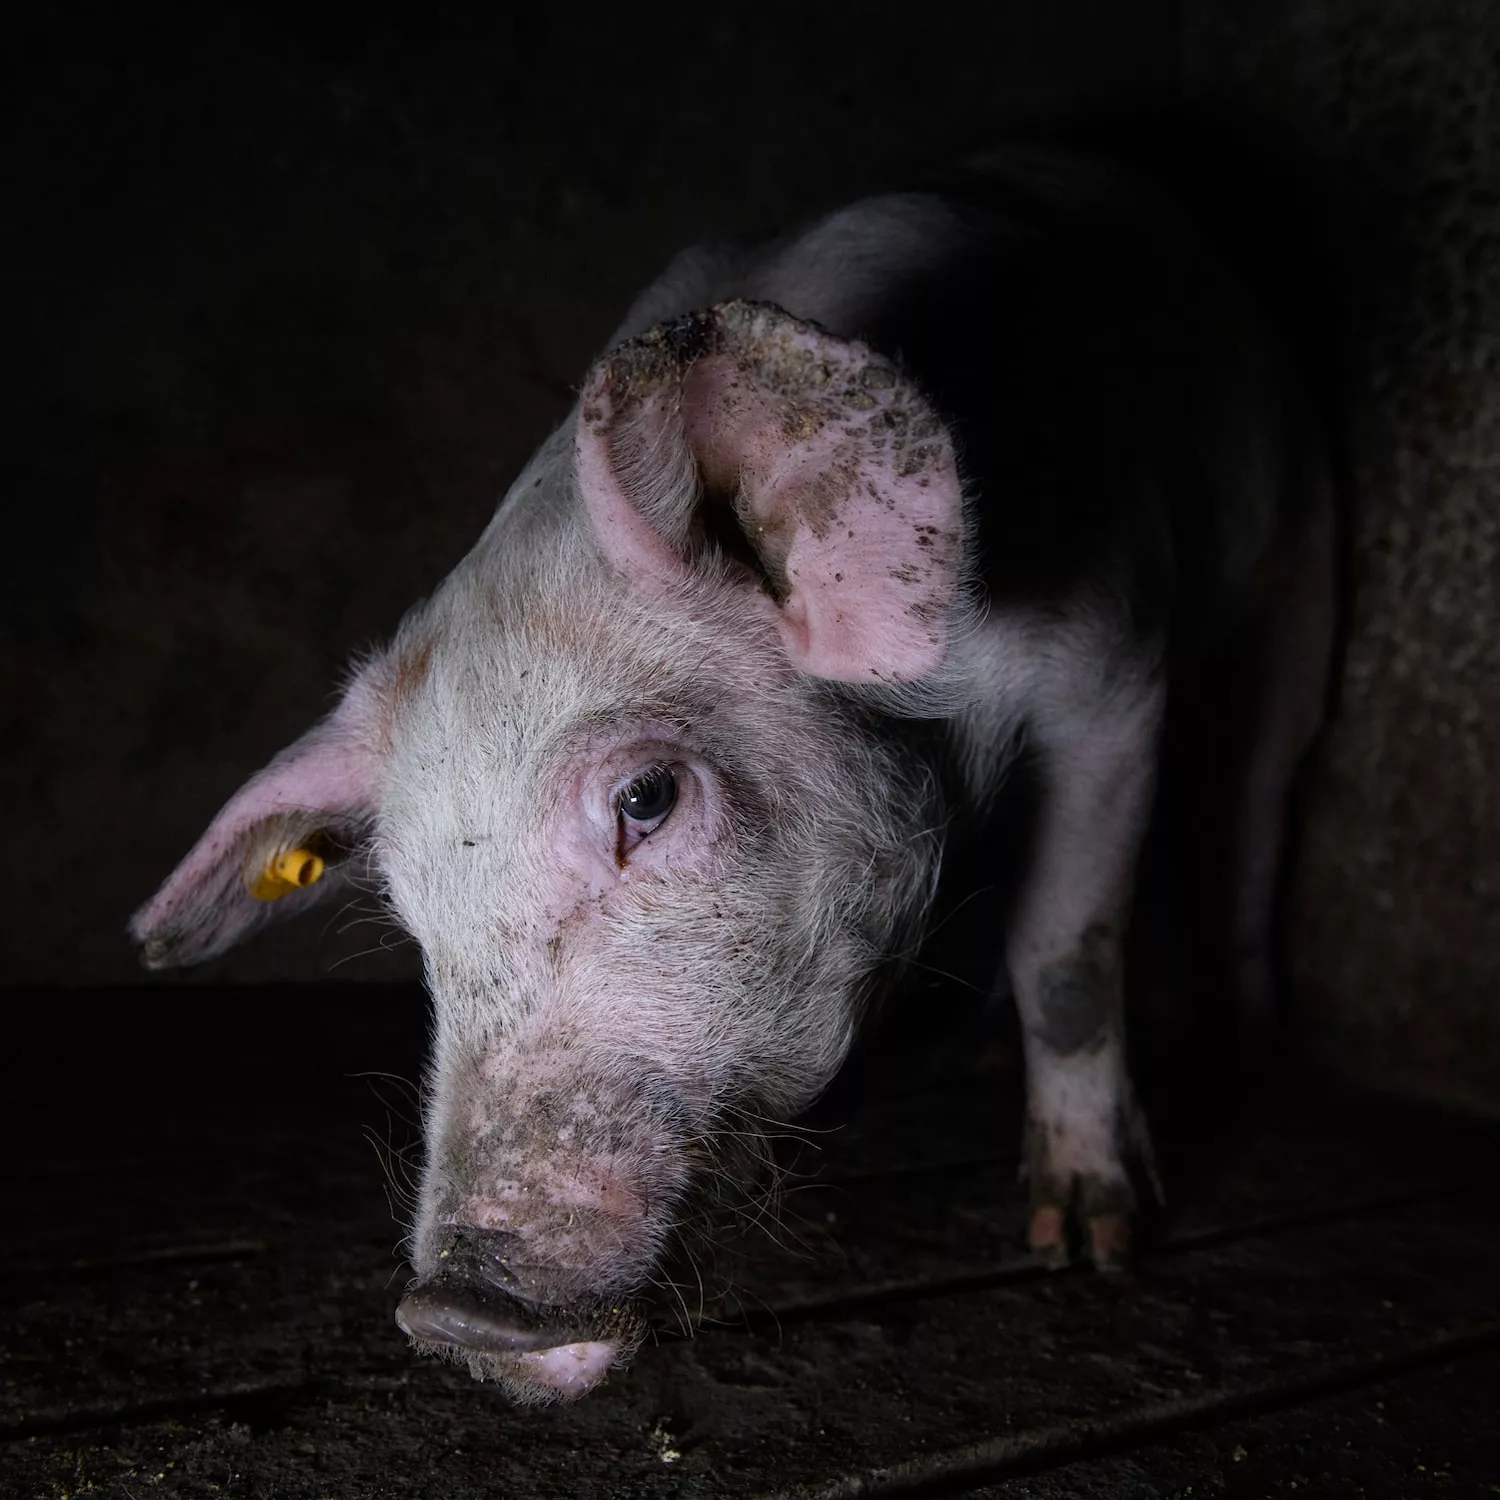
(582, 1213)
(329, 779)
(642, 966)
(575, 1206)
(843, 476)
(570, 1370)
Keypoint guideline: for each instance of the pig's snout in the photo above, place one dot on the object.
(475, 1309)
(448, 1311)
(494, 1258)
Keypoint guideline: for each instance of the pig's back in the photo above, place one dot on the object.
(1113, 400)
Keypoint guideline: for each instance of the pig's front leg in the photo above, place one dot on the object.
(1086, 1140)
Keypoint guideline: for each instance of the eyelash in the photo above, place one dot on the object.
(655, 790)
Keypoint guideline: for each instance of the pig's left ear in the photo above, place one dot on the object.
(287, 838)
(810, 458)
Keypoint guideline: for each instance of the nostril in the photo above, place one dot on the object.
(483, 1318)
(486, 1257)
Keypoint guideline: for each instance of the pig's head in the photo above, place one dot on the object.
(625, 778)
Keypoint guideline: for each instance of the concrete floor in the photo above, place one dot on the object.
(199, 1282)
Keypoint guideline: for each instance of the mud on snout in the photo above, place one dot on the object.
(552, 1190)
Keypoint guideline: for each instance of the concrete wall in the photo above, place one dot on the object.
(1395, 913)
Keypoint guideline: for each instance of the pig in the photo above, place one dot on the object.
(841, 532)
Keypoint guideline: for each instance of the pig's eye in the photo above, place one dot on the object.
(644, 802)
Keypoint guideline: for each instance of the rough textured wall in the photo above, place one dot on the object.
(1396, 904)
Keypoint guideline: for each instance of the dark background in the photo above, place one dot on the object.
(293, 294)
(290, 295)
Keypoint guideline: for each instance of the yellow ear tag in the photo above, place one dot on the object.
(289, 870)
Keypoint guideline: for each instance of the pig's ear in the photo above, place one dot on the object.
(810, 458)
(286, 839)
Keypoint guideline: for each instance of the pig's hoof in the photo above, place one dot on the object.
(1105, 1237)
(1086, 1191)
(1110, 1239)
(1084, 1213)
(1047, 1236)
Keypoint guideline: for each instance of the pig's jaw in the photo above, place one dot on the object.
(570, 1369)
(540, 1376)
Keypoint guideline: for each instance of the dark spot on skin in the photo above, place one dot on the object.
(468, 843)
(689, 337)
(797, 423)
(640, 365)
(819, 498)
(911, 461)
(1075, 995)
(412, 663)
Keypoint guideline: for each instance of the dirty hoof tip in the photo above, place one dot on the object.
(1110, 1242)
(1047, 1238)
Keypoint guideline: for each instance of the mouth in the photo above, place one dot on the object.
(537, 1352)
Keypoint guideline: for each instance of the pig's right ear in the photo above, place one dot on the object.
(289, 837)
(807, 461)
